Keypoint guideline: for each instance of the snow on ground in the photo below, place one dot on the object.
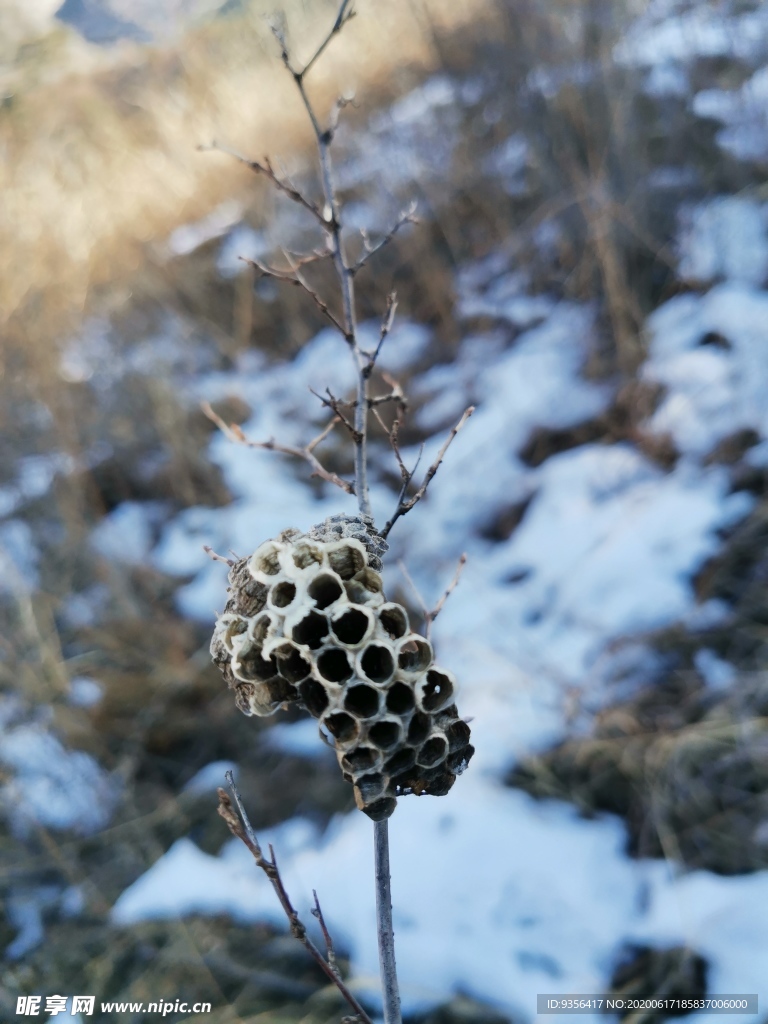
(725, 237)
(672, 33)
(494, 893)
(18, 558)
(188, 237)
(126, 533)
(48, 785)
(743, 114)
(711, 353)
(473, 869)
(209, 778)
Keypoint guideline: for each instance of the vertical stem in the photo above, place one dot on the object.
(332, 214)
(345, 275)
(350, 321)
(390, 991)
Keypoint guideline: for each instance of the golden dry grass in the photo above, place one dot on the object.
(99, 161)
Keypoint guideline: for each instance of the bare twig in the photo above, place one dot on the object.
(332, 223)
(374, 401)
(386, 327)
(333, 122)
(283, 185)
(214, 557)
(406, 217)
(239, 825)
(336, 405)
(386, 935)
(391, 396)
(330, 952)
(416, 592)
(295, 278)
(346, 13)
(297, 259)
(430, 616)
(406, 474)
(234, 433)
(406, 504)
(448, 590)
(321, 436)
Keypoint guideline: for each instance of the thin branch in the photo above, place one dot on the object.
(449, 589)
(346, 13)
(404, 505)
(386, 327)
(284, 185)
(430, 616)
(396, 395)
(416, 593)
(239, 825)
(234, 433)
(392, 396)
(336, 405)
(332, 224)
(297, 259)
(322, 435)
(406, 217)
(386, 934)
(333, 121)
(330, 952)
(392, 433)
(214, 557)
(295, 278)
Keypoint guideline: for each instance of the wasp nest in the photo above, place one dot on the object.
(307, 622)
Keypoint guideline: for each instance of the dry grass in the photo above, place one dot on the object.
(100, 164)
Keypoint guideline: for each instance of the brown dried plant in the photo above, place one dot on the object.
(263, 695)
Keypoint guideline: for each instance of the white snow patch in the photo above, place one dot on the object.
(126, 534)
(301, 739)
(18, 558)
(209, 778)
(242, 243)
(34, 477)
(509, 161)
(722, 918)
(541, 899)
(187, 881)
(188, 237)
(504, 297)
(534, 383)
(664, 35)
(744, 114)
(85, 692)
(712, 389)
(724, 238)
(53, 786)
(717, 673)
(412, 141)
(24, 910)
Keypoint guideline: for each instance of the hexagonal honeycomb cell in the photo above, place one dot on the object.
(307, 622)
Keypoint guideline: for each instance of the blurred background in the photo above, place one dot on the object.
(589, 269)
